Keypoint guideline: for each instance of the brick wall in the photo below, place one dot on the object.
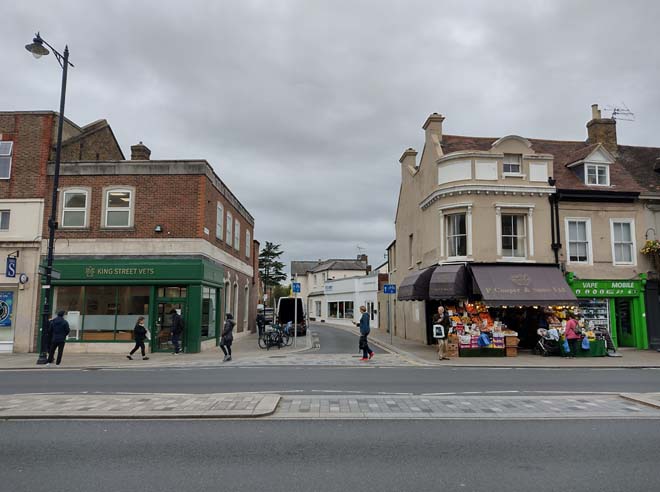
(31, 136)
(93, 146)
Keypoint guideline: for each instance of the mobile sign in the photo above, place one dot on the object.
(10, 271)
(389, 289)
(6, 305)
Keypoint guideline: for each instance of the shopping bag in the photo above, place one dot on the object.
(585, 343)
(567, 349)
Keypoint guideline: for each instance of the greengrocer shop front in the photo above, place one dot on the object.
(617, 305)
(103, 298)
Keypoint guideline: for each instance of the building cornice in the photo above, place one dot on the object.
(495, 190)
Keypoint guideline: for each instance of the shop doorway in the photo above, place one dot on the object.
(162, 329)
(624, 325)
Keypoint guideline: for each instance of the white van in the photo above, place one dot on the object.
(285, 313)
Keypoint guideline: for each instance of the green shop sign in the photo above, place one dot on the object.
(607, 288)
(137, 271)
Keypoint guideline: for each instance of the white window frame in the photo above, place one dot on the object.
(248, 243)
(229, 234)
(590, 255)
(515, 209)
(8, 212)
(456, 208)
(75, 209)
(518, 158)
(589, 165)
(106, 208)
(219, 221)
(633, 246)
(7, 154)
(237, 235)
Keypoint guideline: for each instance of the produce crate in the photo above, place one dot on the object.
(481, 352)
(511, 341)
(512, 351)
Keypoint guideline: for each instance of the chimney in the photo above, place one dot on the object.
(408, 160)
(140, 152)
(362, 257)
(433, 126)
(602, 130)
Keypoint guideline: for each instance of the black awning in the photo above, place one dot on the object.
(521, 285)
(415, 287)
(448, 282)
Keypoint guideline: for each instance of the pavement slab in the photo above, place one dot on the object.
(137, 406)
(650, 399)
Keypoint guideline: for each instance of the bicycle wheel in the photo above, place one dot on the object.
(286, 339)
(262, 342)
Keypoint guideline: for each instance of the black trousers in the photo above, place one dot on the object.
(364, 346)
(60, 350)
(226, 348)
(138, 345)
(574, 344)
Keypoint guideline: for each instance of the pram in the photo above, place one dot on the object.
(546, 345)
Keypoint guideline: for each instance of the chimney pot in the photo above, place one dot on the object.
(595, 112)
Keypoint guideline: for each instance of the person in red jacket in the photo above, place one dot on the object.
(572, 336)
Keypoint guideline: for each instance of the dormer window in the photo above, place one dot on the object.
(512, 164)
(597, 174)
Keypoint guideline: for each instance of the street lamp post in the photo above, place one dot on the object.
(38, 50)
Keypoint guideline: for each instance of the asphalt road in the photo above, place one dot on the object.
(337, 341)
(310, 379)
(598, 455)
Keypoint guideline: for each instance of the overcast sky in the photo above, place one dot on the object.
(304, 107)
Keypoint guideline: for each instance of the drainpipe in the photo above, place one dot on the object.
(554, 221)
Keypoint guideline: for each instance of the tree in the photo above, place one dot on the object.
(270, 268)
(281, 291)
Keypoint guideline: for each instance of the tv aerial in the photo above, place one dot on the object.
(620, 112)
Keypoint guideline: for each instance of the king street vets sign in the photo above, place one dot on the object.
(6, 305)
(606, 288)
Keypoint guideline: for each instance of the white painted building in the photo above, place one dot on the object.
(341, 300)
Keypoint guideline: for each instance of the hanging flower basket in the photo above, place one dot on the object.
(652, 250)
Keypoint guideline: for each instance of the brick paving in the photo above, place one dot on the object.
(460, 407)
(136, 406)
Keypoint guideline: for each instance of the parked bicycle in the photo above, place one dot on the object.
(275, 336)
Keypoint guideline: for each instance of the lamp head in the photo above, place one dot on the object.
(37, 47)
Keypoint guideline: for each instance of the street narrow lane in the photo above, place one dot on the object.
(338, 341)
(329, 455)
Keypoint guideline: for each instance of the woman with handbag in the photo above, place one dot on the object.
(572, 336)
(227, 337)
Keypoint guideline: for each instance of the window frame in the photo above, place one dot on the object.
(8, 212)
(248, 243)
(9, 156)
(229, 231)
(237, 235)
(518, 157)
(517, 236)
(596, 166)
(64, 209)
(448, 237)
(589, 241)
(633, 242)
(106, 207)
(219, 221)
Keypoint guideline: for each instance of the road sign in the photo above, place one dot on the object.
(10, 271)
(54, 274)
(389, 289)
(296, 287)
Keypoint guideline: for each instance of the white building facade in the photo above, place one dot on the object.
(341, 300)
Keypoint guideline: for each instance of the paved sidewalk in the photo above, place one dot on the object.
(650, 399)
(137, 406)
(244, 349)
(427, 355)
(461, 407)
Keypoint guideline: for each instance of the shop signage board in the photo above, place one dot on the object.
(10, 271)
(607, 288)
(6, 306)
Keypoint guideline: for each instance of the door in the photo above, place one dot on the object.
(161, 333)
(624, 327)
(7, 319)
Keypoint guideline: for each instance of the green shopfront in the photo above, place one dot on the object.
(103, 298)
(617, 305)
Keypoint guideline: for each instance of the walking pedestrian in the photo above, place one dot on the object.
(441, 318)
(572, 336)
(367, 353)
(227, 337)
(139, 335)
(177, 331)
(59, 330)
(261, 322)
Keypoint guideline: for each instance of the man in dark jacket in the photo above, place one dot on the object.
(227, 337)
(367, 353)
(177, 331)
(261, 322)
(59, 330)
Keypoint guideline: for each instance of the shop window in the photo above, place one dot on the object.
(219, 218)
(237, 235)
(208, 312)
(239, 328)
(69, 299)
(248, 243)
(5, 159)
(246, 307)
(230, 235)
(4, 220)
(132, 302)
(118, 207)
(513, 236)
(318, 308)
(340, 310)
(579, 240)
(169, 292)
(597, 174)
(623, 243)
(456, 235)
(74, 208)
(332, 310)
(512, 164)
(100, 313)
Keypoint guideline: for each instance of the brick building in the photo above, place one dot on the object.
(136, 237)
